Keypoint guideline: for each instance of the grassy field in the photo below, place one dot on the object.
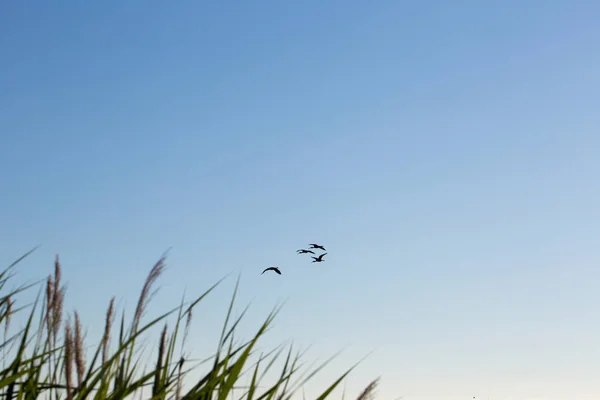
(47, 358)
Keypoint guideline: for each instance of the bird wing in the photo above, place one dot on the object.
(267, 269)
(277, 270)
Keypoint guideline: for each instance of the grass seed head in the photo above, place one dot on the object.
(110, 317)
(79, 350)
(154, 274)
(49, 302)
(8, 310)
(68, 360)
(369, 392)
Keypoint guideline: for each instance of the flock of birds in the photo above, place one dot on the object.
(314, 246)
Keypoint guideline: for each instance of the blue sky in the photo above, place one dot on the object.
(446, 153)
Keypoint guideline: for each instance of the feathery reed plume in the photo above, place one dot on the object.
(110, 317)
(8, 310)
(57, 310)
(145, 295)
(159, 361)
(369, 391)
(49, 302)
(57, 274)
(188, 321)
(68, 362)
(55, 295)
(79, 351)
(57, 299)
(163, 343)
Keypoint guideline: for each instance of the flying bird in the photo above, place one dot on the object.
(320, 258)
(303, 251)
(272, 269)
(317, 246)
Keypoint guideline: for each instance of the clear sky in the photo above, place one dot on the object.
(447, 154)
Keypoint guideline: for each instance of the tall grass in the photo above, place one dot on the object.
(46, 359)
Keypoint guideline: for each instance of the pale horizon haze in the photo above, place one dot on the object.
(447, 154)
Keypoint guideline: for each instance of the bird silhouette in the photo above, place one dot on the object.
(320, 258)
(317, 246)
(303, 251)
(272, 269)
